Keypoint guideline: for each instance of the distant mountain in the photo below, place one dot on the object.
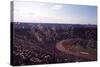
(23, 25)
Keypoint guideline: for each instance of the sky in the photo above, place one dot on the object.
(54, 13)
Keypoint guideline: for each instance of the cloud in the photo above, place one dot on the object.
(56, 7)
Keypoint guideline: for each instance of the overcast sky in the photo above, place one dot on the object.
(54, 13)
